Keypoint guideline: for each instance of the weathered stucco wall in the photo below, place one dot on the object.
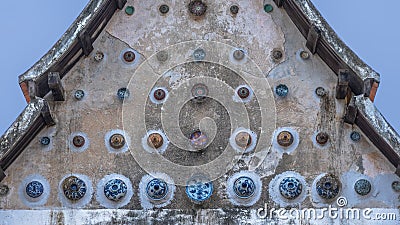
(178, 34)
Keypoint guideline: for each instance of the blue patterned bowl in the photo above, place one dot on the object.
(328, 186)
(34, 189)
(74, 188)
(244, 187)
(115, 189)
(290, 187)
(157, 189)
(199, 191)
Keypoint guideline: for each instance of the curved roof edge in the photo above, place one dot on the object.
(64, 44)
(322, 40)
(29, 123)
(369, 119)
(377, 129)
(338, 56)
(343, 51)
(73, 44)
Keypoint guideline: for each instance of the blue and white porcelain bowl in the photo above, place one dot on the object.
(34, 189)
(115, 189)
(74, 188)
(199, 191)
(290, 187)
(157, 189)
(244, 187)
(328, 186)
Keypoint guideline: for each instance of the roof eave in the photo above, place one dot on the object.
(30, 122)
(73, 44)
(363, 80)
(322, 40)
(378, 130)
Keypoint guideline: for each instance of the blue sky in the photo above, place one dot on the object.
(371, 30)
(29, 28)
